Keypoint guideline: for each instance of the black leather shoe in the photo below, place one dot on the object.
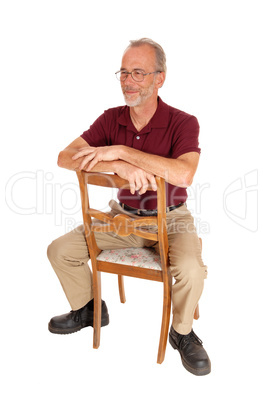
(193, 355)
(76, 320)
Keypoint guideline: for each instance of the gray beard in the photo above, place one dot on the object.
(134, 103)
(141, 98)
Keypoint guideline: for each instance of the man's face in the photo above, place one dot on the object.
(138, 93)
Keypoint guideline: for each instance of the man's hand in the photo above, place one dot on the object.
(138, 179)
(93, 155)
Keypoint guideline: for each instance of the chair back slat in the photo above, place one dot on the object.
(104, 180)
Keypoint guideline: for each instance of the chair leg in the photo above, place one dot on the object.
(121, 289)
(165, 323)
(97, 309)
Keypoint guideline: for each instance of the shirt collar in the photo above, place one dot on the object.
(159, 119)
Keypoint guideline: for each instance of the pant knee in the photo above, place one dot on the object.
(190, 270)
(50, 253)
(53, 251)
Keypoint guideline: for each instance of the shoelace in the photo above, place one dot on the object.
(76, 315)
(191, 337)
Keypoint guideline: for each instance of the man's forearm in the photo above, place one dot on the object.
(174, 171)
(179, 172)
(65, 161)
(112, 166)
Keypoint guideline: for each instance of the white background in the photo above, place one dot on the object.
(58, 60)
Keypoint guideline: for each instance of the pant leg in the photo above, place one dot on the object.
(69, 257)
(187, 268)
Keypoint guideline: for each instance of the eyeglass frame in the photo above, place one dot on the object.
(135, 69)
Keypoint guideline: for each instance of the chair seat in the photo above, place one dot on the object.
(137, 257)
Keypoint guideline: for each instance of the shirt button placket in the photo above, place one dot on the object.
(137, 142)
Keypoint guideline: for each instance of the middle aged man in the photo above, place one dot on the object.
(138, 141)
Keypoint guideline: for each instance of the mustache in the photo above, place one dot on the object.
(129, 88)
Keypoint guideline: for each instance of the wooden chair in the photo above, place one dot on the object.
(125, 226)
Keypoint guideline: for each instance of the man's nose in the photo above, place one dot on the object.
(129, 80)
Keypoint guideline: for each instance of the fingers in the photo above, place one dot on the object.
(144, 187)
(135, 183)
(141, 181)
(89, 162)
(152, 181)
(132, 187)
(92, 155)
(89, 157)
(82, 152)
(86, 161)
(149, 182)
(93, 162)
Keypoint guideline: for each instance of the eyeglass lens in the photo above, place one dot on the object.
(136, 75)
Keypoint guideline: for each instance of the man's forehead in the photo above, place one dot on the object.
(139, 57)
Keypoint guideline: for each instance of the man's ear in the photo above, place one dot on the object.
(160, 79)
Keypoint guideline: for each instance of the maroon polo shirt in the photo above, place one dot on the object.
(169, 133)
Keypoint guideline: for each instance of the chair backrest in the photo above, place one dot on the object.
(122, 224)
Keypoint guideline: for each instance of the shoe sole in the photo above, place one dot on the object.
(65, 331)
(197, 371)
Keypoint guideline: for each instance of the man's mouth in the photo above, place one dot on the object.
(130, 90)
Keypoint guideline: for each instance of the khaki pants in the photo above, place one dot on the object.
(69, 257)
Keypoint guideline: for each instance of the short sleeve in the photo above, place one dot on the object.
(187, 138)
(96, 136)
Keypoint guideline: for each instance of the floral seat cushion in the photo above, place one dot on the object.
(137, 257)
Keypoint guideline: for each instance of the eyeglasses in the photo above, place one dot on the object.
(137, 75)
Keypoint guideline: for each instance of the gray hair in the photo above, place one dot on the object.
(159, 52)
